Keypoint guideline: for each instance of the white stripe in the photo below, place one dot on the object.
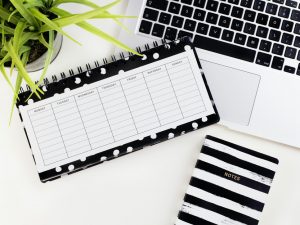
(230, 185)
(241, 155)
(180, 222)
(235, 169)
(226, 203)
(209, 215)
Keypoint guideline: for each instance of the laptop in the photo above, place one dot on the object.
(249, 50)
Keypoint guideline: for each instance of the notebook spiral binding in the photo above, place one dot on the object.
(96, 64)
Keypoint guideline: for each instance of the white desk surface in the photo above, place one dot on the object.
(143, 188)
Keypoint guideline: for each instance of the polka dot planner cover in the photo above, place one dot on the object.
(229, 185)
(116, 108)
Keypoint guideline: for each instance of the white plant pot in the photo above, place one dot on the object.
(39, 63)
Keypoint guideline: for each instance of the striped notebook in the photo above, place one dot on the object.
(229, 185)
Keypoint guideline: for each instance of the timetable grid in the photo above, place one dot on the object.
(116, 111)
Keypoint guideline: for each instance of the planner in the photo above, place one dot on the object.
(229, 186)
(116, 108)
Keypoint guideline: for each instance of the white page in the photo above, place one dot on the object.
(115, 111)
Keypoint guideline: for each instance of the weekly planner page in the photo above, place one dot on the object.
(117, 110)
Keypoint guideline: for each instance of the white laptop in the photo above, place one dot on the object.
(249, 51)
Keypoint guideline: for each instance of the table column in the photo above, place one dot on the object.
(47, 134)
(117, 111)
(71, 126)
(140, 103)
(94, 118)
(163, 96)
(186, 88)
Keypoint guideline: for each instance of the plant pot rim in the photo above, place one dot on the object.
(38, 64)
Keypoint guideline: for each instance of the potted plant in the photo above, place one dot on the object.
(31, 33)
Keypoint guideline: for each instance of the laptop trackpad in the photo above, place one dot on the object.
(233, 90)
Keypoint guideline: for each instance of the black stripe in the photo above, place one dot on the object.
(242, 180)
(193, 219)
(220, 210)
(225, 193)
(243, 149)
(238, 162)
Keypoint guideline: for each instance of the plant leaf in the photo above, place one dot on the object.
(92, 5)
(94, 30)
(6, 77)
(21, 69)
(72, 19)
(48, 59)
(36, 13)
(19, 5)
(4, 14)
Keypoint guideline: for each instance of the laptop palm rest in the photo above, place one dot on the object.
(234, 91)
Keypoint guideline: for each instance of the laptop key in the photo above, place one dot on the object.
(279, 1)
(212, 5)
(295, 15)
(202, 28)
(174, 8)
(262, 19)
(298, 56)
(212, 18)
(259, 5)
(240, 39)
(249, 28)
(171, 33)
(274, 35)
(237, 25)
(289, 69)
(298, 69)
(224, 8)
(291, 3)
(224, 48)
(247, 3)
(224, 21)
(263, 59)
(287, 26)
(265, 46)
(252, 42)
(199, 14)
(290, 52)
(236, 2)
(190, 25)
(145, 27)
(297, 29)
(215, 32)
(287, 39)
(249, 15)
(150, 14)
(237, 12)
(284, 12)
(271, 8)
(189, 2)
(199, 3)
(277, 63)
(262, 32)
(277, 49)
(274, 22)
(227, 35)
(187, 11)
(157, 4)
(297, 42)
(158, 30)
(164, 18)
(177, 21)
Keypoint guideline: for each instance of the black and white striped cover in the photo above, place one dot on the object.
(229, 185)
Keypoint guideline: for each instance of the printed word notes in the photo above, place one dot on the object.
(116, 110)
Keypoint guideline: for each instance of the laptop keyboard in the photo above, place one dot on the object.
(264, 32)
